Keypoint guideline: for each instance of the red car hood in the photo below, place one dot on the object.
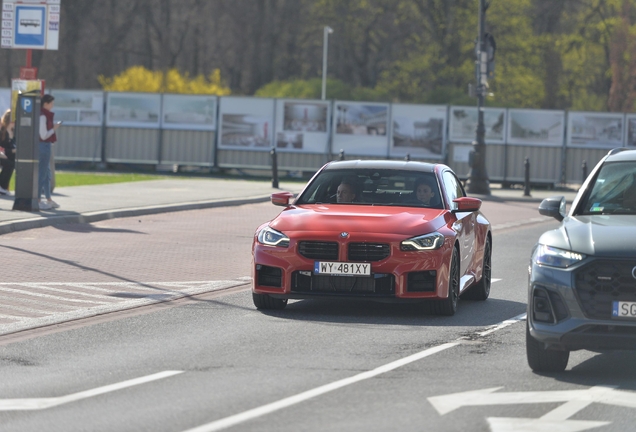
(359, 218)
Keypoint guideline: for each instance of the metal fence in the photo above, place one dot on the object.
(239, 132)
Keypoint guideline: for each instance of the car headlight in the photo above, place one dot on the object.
(424, 242)
(551, 256)
(271, 237)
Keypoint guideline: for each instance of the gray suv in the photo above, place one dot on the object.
(582, 282)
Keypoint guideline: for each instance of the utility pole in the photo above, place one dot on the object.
(325, 45)
(478, 177)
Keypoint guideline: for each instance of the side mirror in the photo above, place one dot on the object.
(553, 207)
(467, 204)
(282, 198)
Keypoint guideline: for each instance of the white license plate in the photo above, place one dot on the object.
(622, 309)
(342, 268)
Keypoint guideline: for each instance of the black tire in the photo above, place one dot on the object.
(544, 360)
(448, 306)
(481, 290)
(264, 301)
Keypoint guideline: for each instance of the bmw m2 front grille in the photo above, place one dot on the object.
(318, 250)
(368, 252)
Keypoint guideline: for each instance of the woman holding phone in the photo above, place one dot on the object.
(47, 138)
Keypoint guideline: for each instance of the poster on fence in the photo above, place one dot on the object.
(595, 130)
(536, 127)
(78, 107)
(463, 124)
(361, 128)
(630, 123)
(418, 131)
(188, 112)
(133, 110)
(246, 123)
(302, 126)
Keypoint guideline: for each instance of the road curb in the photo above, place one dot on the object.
(96, 216)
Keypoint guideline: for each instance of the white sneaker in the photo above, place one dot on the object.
(45, 205)
(53, 204)
(3, 191)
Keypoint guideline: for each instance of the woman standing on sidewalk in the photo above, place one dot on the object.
(47, 138)
(7, 142)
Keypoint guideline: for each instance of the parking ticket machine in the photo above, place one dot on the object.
(27, 153)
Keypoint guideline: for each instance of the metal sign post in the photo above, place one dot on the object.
(27, 138)
(478, 182)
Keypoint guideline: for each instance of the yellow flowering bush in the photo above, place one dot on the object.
(140, 79)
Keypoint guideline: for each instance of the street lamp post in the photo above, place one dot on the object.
(478, 178)
(327, 30)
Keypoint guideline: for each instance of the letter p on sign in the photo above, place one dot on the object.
(27, 105)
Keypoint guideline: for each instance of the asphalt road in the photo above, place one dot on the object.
(213, 362)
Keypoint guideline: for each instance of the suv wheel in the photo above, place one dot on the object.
(544, 360)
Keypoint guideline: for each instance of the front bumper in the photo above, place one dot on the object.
(283, 273)
(565, 320)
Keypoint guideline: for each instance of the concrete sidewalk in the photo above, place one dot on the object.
(85, 204)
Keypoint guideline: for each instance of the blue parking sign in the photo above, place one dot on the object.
(27, 105)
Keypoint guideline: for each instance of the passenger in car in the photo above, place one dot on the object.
(629, 196)
(423, 192)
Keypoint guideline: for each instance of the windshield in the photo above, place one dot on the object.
(613, 191)
(374, 187)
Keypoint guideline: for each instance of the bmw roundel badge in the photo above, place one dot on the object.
(344, 234)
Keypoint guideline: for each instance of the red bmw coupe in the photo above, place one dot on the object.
(382, 230)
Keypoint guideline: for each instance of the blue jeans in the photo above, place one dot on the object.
(44, 171)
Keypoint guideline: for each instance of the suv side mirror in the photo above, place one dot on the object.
(553, 207)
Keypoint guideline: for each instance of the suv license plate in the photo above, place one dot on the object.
(342, 268)
(622, 309)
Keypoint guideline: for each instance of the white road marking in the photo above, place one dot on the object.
(26, 309)
(46, 296)
(142, 293)
(557, 419)
(44, 304)
(44, 287)
(43, 403)
(230, 421)
(503, 324)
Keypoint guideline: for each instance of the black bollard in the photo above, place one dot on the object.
(274, 168)
(408, 157)
(584, 170)
(526, 187)
(341, 157)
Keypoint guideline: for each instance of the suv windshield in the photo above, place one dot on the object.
(374, 187)
(613, 191)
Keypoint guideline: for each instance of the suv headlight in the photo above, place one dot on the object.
(424, 242)
(271, 237)
(551, 256)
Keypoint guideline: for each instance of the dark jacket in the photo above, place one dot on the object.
(8, 144)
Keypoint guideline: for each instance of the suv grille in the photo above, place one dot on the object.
(601, 282)
(318, 250)
(368, 252)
